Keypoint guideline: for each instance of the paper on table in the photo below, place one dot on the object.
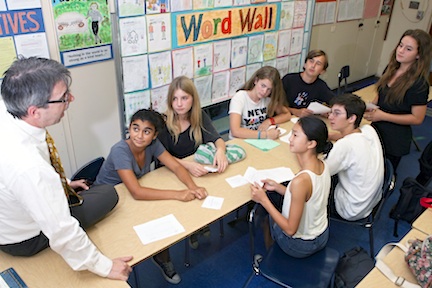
(318, 108)
(211, 168)
(281, 130)
(286, 138)
(158, 229)
(280, 174)
(294, 119)
(236, 181)
(213, 202)
(263, 144)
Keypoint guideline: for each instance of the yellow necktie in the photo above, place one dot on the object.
(74, 198)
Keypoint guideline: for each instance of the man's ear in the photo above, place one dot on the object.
(352, 118)
(33, 112)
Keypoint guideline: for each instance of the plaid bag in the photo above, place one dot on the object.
(206, 152)
(419, 259)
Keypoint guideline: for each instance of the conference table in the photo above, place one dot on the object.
(369, 93)
(424, 222)
(115, 236)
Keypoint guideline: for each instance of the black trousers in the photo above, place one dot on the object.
(99, 200)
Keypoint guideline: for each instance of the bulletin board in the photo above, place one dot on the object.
(219, 44)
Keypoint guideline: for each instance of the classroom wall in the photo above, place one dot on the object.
(92, 124)
(360, 43)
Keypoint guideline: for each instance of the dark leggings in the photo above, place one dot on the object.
(99, 200)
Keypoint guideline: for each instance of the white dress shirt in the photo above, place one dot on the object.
(33, 199)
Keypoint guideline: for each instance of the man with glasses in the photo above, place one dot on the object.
(356, 158)
(39, 206)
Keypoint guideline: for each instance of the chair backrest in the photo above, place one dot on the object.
(387, 188)
(344, 73)
(89, 170)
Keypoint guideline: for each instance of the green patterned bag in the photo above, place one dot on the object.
(206, 152)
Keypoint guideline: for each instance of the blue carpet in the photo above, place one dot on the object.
(226, 261)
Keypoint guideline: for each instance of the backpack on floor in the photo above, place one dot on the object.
(353, 267)
(408, 206)
(425, 160)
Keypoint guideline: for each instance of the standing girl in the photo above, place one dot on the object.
(261, 102)
(302, 227)
(402, 94)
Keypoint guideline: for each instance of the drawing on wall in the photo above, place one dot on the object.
(300, 8)
(237, 79)
(282, 64)
(220, 86)
(180, 5)
(286, 17)
(223, 3)
(133, 36)
(202, 4)
(160, 68)
(241, 2)
(203, 58)
(183, 62)
(270, 45)
(135, 73)
(294, 63)
(157, 6)
(296, 40)
(284, 43)
(239, 52)
(159, 98)
(221, 55)
(203, 86)
(130, 8)
(251, 69)
(81, 24)
(159, 32)
(135, 101)
(271, 63)
(255, 49)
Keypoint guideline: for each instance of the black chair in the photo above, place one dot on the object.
(316, 270)
(89, 171)
(343, 75)
(369, 221)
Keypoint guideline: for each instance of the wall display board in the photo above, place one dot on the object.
(217, 43)
(22, 31)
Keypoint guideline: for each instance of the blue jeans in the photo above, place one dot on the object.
(297, 247)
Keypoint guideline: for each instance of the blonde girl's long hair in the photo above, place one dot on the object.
(419, 69)
(194, 114)
(277, 95)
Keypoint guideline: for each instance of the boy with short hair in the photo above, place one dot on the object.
(356, 158)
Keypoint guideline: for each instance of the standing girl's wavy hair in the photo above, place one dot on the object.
(277, 95)
(194, 114)
(316, 130)
(419, 69)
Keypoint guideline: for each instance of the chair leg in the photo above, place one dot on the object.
(221, 228)
(371, 243)
(187, 253)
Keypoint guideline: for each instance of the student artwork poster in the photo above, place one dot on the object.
(135, 73)
(271, 62)
(180, 5)
(251, 69)
(202, 4)
(160, 69)
(270, 45)
(204, 86)
(255, 49)
(284, 43)
(220, 87)
(81, 24)
(296, 40)
(159, 98)
(135, 101)
(237, 79)
(221, 55)
(300, 8)
(223, 3)
(239, 52)
(159, 32)
(183, 62)
(128, 8)
(287, 15)
(203, 59)
(157, 6)
(282, 64)
(241, 2)
(294, 63)
(133, 36)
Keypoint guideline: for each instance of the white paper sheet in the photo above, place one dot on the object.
(158, 229)
(212, 202)
(286, 138)
(318, 108)
(281, 130)
(236, 181)
(371, 106)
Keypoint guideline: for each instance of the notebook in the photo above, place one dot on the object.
(263, 144)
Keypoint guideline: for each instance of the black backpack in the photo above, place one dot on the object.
(352, 268)
(408, 206)
(425, 175)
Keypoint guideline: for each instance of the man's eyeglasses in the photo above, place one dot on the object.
(337, 113)
(63, 99)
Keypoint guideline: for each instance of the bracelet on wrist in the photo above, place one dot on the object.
(272, 121)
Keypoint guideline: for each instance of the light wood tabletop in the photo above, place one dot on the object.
(424, 222)
(369, 93)
(396, 262)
